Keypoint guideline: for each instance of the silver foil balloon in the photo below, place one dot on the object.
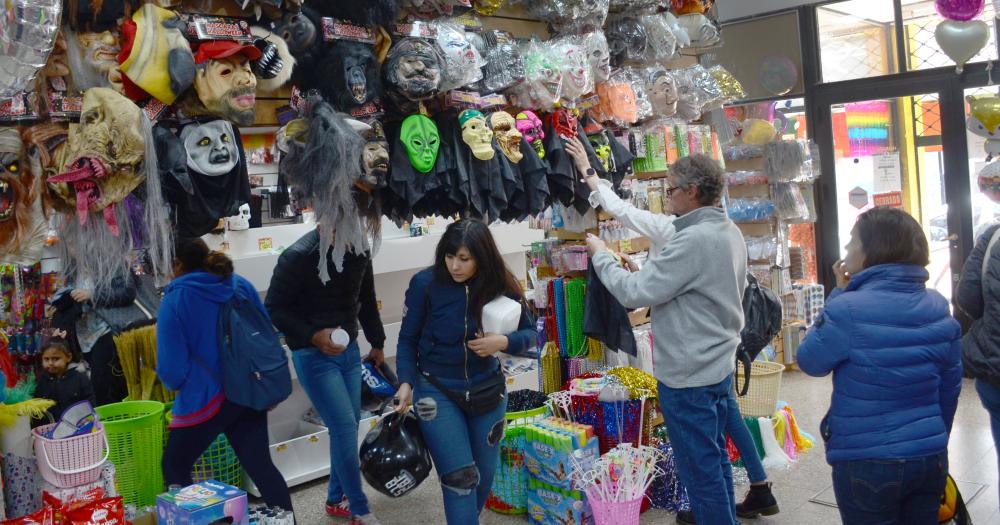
(28, 31)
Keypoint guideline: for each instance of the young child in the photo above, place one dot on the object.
(60, 383)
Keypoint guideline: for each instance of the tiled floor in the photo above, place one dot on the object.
(971, 453)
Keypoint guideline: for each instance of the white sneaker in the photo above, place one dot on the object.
(367, 519)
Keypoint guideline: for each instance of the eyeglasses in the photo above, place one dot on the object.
(669, 192)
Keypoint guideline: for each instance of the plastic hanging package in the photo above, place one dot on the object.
(598, 54)
(462, 59)
(627, 39)
(708, 88)
(619, 6)
(504, 66)
(578, 79)
(27, 35)
(783, 160)
(618, 101)
(543, 81)
(732, 89)
(644, 106)
(689, 101)
(789, 204)
(662, 90)
(561, 13)
(661, 44)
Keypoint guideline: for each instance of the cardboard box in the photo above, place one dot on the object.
(203, 503)
(548, 505)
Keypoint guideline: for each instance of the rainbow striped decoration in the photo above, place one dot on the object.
(868, 127)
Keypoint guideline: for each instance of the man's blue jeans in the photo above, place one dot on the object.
(737, 429)
(333, 384)
(696, 420)
(465, 449)
(890, 491)
(989, 395)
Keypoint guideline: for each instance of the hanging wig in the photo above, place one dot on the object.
(322, 167)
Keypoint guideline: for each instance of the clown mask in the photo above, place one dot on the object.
(420, 136)
(508, 137)
(602, 148)
(105, 156)
(531, 127)
(211, 148)
(477, 134)
(225, 84)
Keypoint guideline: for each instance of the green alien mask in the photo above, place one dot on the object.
(420, 136)
(602, 148)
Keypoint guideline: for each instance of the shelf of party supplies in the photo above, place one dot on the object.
(698, 51)
(650, 175)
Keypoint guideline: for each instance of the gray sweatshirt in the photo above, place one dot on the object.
(695, 288)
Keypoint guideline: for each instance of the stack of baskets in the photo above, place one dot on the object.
(135, 437)
(510, 485)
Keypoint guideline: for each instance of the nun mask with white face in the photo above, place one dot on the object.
(211, 148)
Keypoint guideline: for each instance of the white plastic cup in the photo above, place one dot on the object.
(339, 337)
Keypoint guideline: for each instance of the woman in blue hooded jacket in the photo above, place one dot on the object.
(188, 361)
(442, 353)
(895, 353)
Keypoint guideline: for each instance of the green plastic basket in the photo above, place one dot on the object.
(218, 462)
(135, 436)
(510, 484)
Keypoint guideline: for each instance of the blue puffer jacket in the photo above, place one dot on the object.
(895, 353)
(436, 327)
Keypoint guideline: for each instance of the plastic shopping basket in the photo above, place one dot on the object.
(135, 437)
(73, 461)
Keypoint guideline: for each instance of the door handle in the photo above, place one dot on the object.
(953, 237)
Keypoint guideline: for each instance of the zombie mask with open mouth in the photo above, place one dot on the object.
(508, 137)
(531, 127)
(15, 187)
(105, 155)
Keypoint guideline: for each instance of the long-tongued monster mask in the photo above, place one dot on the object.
(413, 68)
(420, 136)
(508, 137)
(531, 127)
(105, 156)
(477, 134)
(19, 213)
(211, 148)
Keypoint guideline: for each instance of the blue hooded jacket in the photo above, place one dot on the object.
(187, 353)
(895, 353)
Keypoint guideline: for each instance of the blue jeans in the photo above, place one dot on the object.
(737, 429)
(465, 449)
(696, 420)
(890, 491)
(989, 395)
(333, 384)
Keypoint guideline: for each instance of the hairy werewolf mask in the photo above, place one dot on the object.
(21, 221)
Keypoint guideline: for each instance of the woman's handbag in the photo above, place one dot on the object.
(480, 398)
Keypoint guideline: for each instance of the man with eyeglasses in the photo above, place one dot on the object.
(693, 280)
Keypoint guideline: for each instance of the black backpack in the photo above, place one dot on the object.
(762, 321)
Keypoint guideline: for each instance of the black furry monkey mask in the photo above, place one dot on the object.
(354, 71)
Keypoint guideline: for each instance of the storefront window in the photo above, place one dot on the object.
(920, 20)
(856, 39)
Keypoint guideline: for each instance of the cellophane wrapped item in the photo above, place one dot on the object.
(504, 65)
(542, 86)
(28, 30)
(577, 74)
(462, 59)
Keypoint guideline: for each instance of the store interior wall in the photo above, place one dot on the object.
(736, 9)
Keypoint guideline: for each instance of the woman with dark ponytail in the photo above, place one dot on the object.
(188, 361)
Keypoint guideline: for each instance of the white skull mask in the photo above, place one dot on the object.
(477, 134)
(242, 221)
(211, 147)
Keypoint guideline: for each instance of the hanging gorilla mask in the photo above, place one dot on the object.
(531, 127)
(355, 75)
(156, 59)
(225, 84)
(508, 137)
(297, 30)
(413, 68)
(22, 225)
(211, 148)
(106, 153)
(477, 134)
(420, 136)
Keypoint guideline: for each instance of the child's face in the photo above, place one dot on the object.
(55, 361)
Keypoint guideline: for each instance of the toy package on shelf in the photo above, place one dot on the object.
(548, 505)
(205, 502)
(553, 445)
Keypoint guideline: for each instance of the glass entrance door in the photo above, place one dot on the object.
(889, 152)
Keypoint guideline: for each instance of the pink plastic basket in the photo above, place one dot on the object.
(615, 512)
(71, 462)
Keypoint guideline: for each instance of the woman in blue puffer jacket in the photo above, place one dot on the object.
(895, 353)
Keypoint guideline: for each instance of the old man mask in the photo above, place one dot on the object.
(225, 83)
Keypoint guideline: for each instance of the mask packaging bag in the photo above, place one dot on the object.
(501, 316)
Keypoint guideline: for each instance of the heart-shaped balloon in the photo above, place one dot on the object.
(960, 9)
(962, 40)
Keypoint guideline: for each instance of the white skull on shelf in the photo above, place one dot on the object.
(240, 222)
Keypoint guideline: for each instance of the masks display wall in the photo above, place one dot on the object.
(22, 224)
